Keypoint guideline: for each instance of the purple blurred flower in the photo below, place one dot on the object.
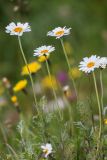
(62, 77)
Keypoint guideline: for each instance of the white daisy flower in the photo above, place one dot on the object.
(47, 149)
(89, 64)
(43, 50)
(18, 29)
(102, 62)
(59, 32)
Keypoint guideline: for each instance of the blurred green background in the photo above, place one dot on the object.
(87, 18)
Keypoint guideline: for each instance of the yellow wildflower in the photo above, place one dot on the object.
(47, 82)
(43, 58)
(33, 67)
(14, 99)
(20, 85)
(105, 121)
(75, 73)
(68, 47)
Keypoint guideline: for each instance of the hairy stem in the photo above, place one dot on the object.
(54, 93)
(69, 67)
(30, 76)
(100, 113)
(102, 90)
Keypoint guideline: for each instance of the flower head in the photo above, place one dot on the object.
(89, 64)
(15, 103)
(43, 51)
(59, 32)
(6, 83)
(62, 77)
(48, 82)
(70, 95)
(14, 99)
(43, 58)
(102, 62)
(33, 68)
(18, 29)
(66, 91)
(105, 121)
(66, 88)
(20, 85)
(47, 149)
(75, 73)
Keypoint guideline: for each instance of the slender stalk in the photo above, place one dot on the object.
(69, 67)
(102, 104)
(100, 113)
(12, 150)
(90, 104)
(31, 79)
(102, 90)
(71, 119)
(30, 76)
(54, 93)
(6, 143)
(3, 133)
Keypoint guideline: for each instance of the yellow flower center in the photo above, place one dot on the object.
(18, 29)
(90, 64)
(44, 51)
(59, 33)
(45, 151)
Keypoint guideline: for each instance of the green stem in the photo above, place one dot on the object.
(69, 66)
(54, 93)
(102, 91)
(100, 113)
(12, 150)
(102, 104)
(3, 133)
(90, 104)
(30, 76)
(70, 112)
